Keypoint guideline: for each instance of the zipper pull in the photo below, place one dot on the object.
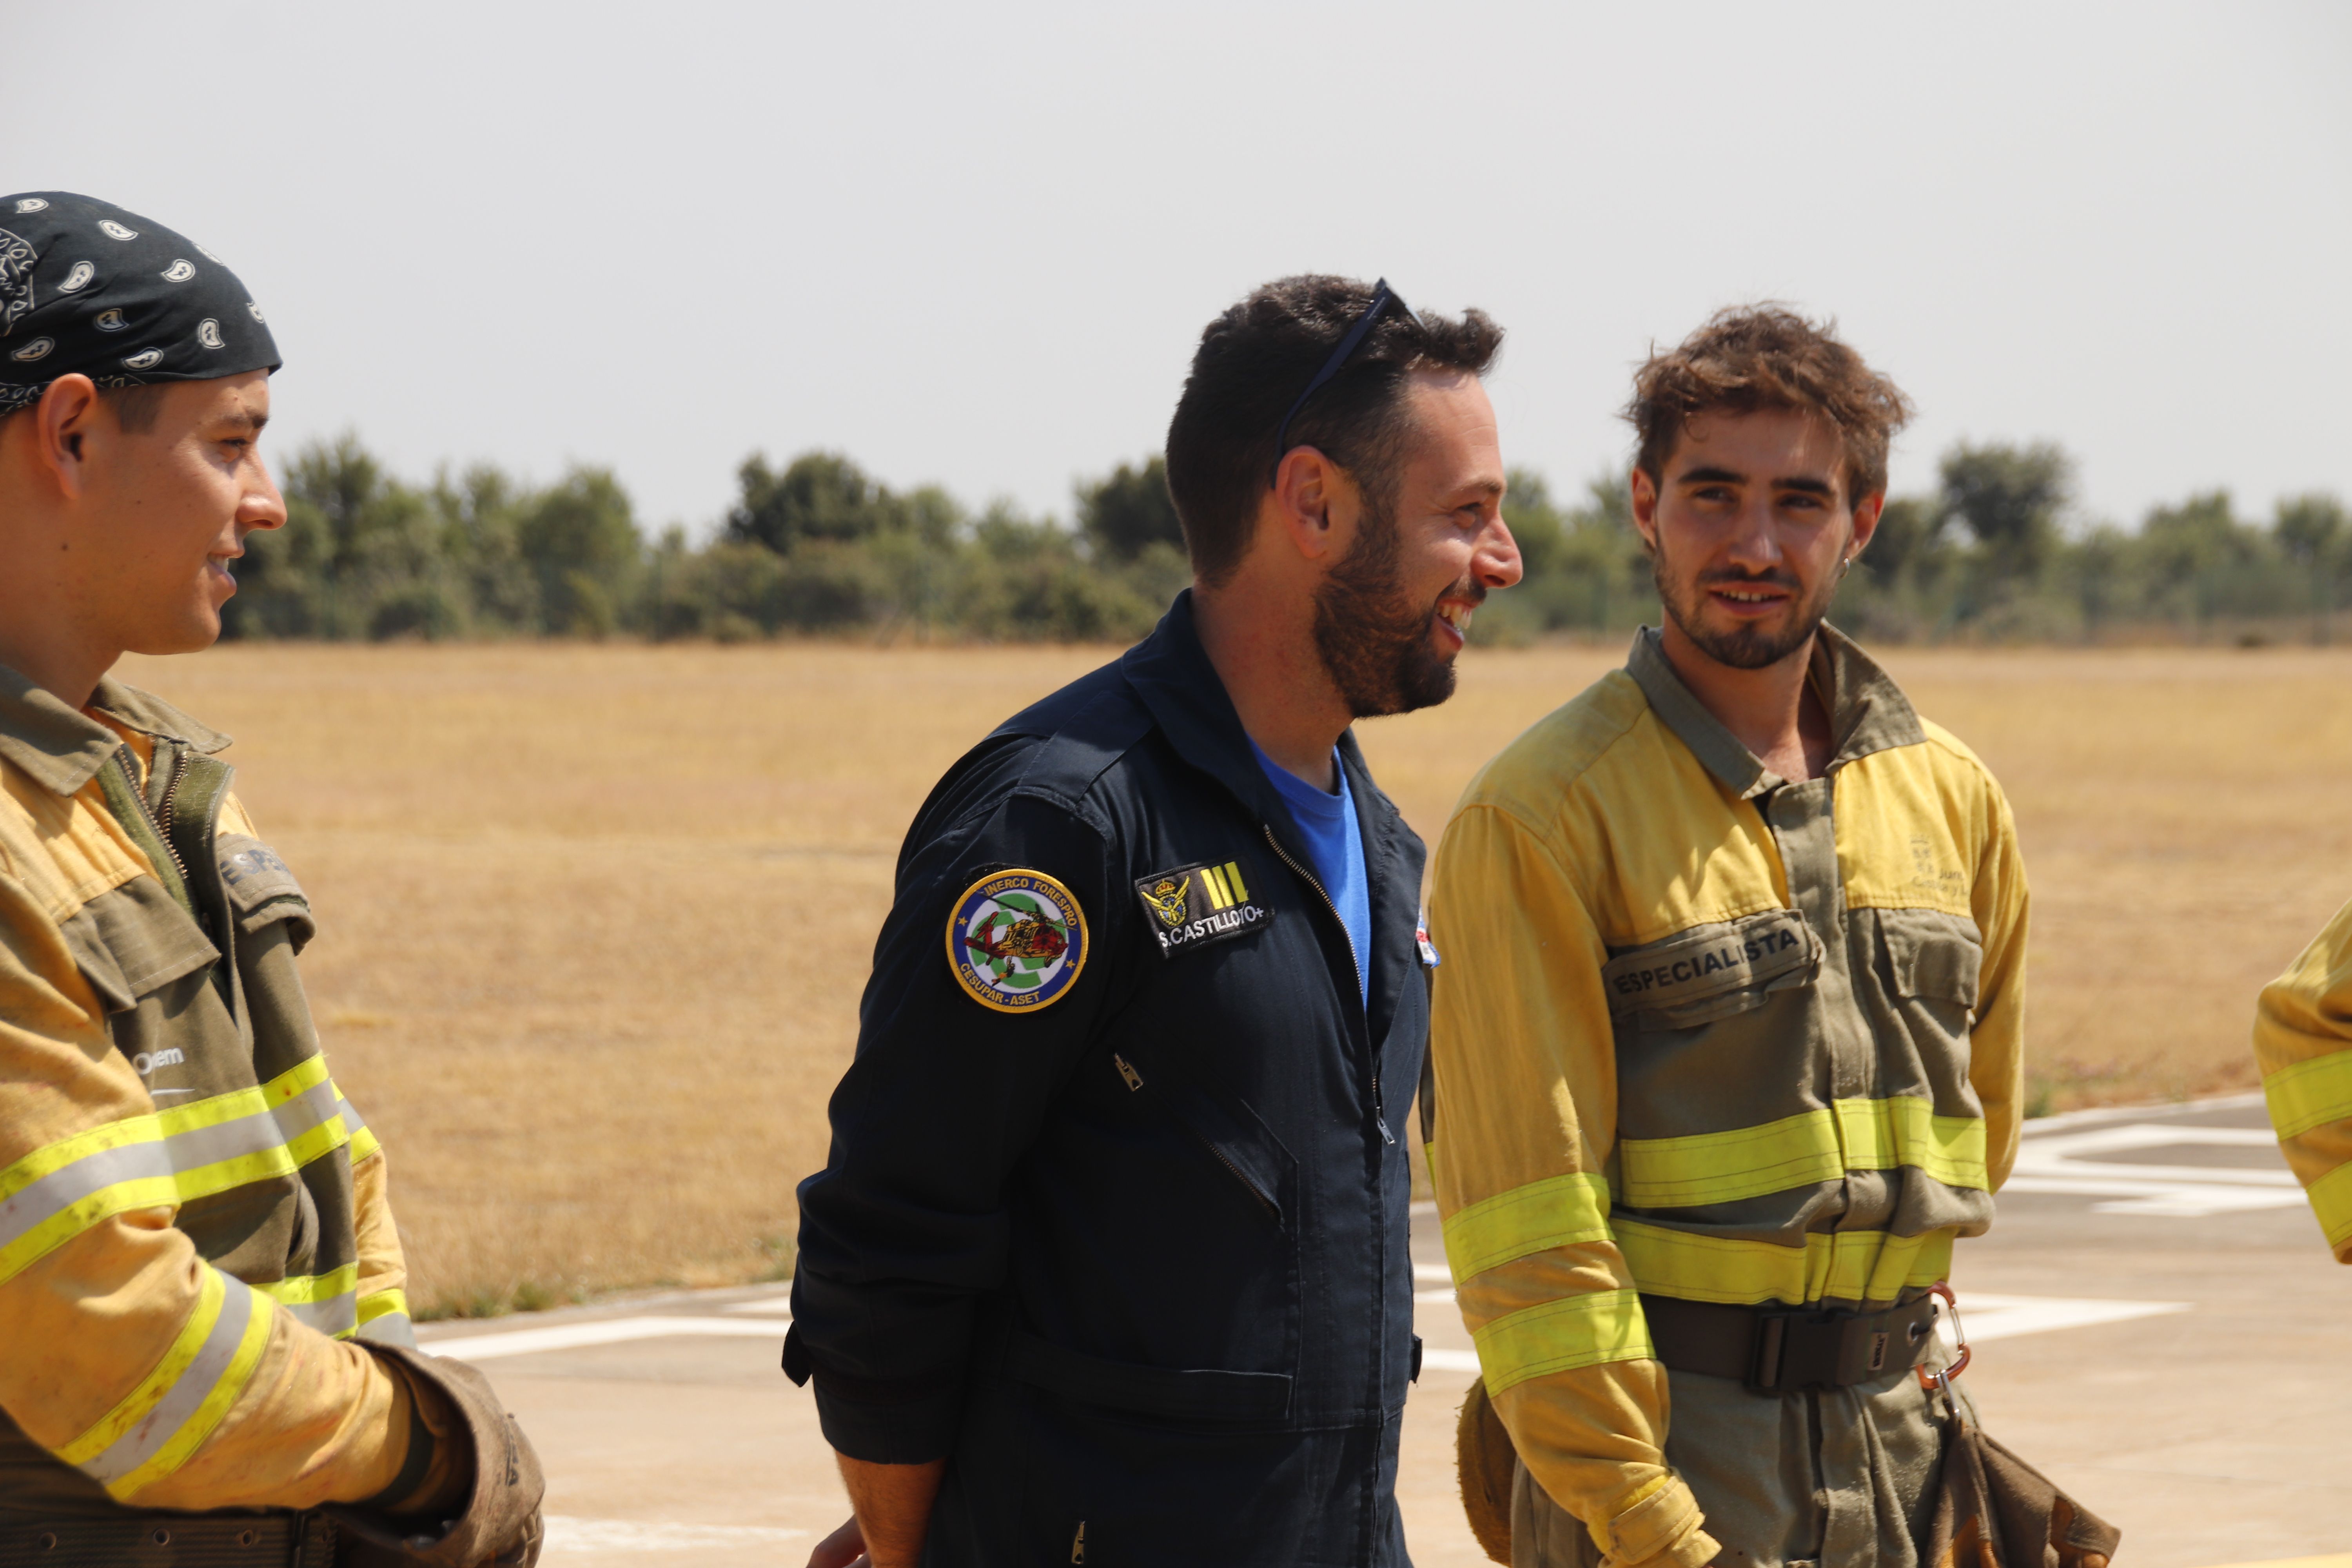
(1134, 1078)
(1382, 1123)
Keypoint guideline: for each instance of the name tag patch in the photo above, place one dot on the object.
(1193, 906)
(1714, 963)
(252, 871)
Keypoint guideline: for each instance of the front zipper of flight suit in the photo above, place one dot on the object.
(1380, 1111)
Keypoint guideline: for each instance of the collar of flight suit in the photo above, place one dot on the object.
(1171, 671)
(62, 749)
(1868, 712)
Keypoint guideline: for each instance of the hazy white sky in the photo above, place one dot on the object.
(974, 243)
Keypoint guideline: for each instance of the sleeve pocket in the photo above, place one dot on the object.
(262, 890)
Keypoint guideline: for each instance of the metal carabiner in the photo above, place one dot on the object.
(1941, 1378)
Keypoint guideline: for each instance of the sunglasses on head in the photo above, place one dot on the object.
(1384, 299)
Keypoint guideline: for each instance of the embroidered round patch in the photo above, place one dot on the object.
(1017, 940)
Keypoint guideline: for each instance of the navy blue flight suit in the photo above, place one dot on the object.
(1134, 1262)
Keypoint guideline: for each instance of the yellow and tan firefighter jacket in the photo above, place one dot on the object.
(2303, 1038)
(1701, 1031)
(193, 1223)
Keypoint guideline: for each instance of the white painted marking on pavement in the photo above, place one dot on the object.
(1994, 1317)
(1434, 1360)
(2053, 1163)
(600, 1332)
(568, 1534)
(765, 1307)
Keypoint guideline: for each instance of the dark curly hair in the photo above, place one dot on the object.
(1256, 358)
(1766, 356)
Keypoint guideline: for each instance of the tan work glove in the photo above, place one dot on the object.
(494, 1522)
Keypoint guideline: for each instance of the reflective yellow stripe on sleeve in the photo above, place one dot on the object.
(166, 1158)
(165, 1419)
(1798, 1150)
(385, 1318)
(2310, 1094)
(327, 1302)
(1847, 1265)
(2331, 1200)
(364, 1142)
(1560, 1336)
(1558, 1210)
(382, 1304)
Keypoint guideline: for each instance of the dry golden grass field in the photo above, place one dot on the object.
(594, 918)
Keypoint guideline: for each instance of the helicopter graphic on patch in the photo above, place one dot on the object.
(1192, 906)
(1017, 940)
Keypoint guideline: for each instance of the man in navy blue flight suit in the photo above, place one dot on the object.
(1109, 1264)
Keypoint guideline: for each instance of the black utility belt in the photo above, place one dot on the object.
(170, 1541)
(1780, 1349)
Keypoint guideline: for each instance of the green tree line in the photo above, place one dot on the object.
(821, 547)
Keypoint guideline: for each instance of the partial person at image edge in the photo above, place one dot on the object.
(2302, 1043)
(1109, 1261)
(196, 1227)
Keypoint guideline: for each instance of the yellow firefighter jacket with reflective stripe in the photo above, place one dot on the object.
(2303, 1038)
(192, 1217)
(1705, 1033)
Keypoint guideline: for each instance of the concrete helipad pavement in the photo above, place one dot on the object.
(2158, 1324)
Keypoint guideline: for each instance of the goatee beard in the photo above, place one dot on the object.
(1746, 646)
(1375, 643)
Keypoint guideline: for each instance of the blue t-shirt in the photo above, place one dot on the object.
(1336, 845)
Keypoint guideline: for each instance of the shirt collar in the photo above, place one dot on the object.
(61, 749)
(1868, 712)
(1171, 671)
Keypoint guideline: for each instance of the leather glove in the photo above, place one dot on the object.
(498, 1524)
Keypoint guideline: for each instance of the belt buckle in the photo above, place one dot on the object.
(1941, 1379)
(1767, 1354)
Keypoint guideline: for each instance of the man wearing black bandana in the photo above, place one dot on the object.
(1108, 1263)
(208, 1356)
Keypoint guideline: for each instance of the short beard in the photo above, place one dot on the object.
(1374, 642)
(1747, 648)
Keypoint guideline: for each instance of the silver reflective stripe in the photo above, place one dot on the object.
(392, 1329)
(306, 1109)
(334, 1317)
(180, 1401)
(60, 1189)
(257, 1132)
(352, 1120)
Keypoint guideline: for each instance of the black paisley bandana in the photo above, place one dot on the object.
(86, 287)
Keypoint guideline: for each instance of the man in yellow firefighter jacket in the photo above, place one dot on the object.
(204, 1350)
(1727, 1020)
(2303, 1038)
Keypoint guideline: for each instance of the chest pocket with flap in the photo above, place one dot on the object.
(1711, 971)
